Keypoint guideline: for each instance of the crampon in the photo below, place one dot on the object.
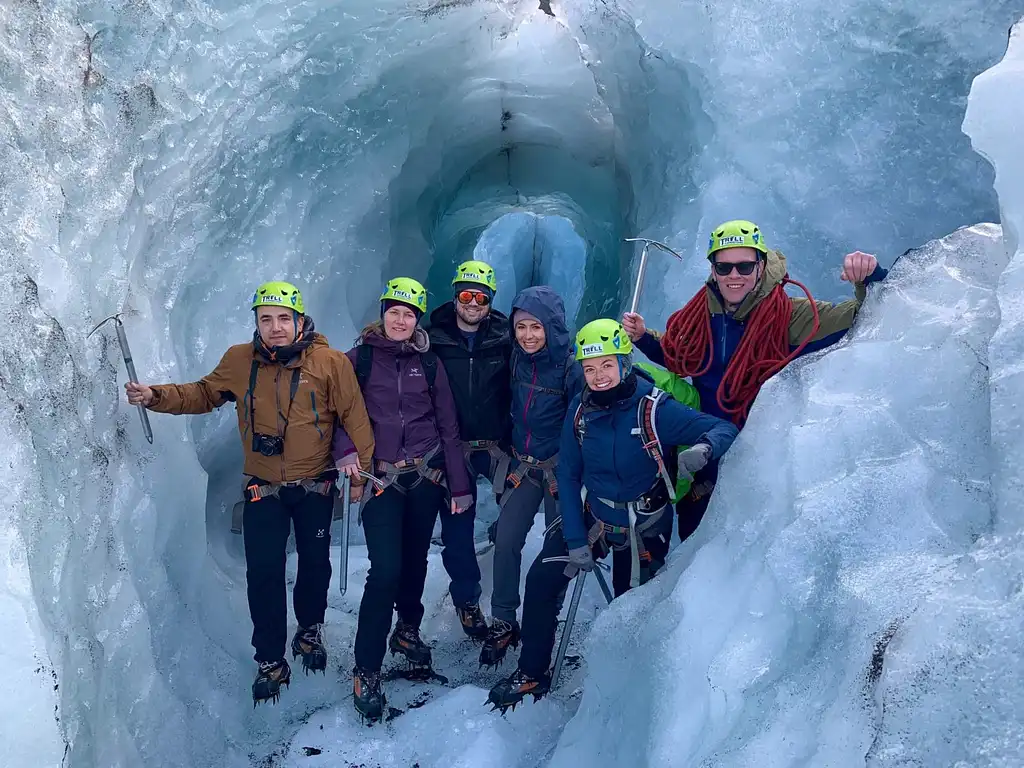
(419, 673)
(269, 679)
(368, 696)
(472, 620)
(510, 692)
(500, 636)
(309, 644)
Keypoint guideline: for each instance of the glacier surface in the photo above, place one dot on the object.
(855, 596)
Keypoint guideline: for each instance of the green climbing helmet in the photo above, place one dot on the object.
(737, 233)
(407, 291)
(602, 337)
(476, 272)
(278, 294)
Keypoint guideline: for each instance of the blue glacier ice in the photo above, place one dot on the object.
(854, 596)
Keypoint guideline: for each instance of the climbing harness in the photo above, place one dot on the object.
(254, 492)
(393, 471)
(598, 533)
(500, 460)
(645, 511)
(133, 377)
(527, 464)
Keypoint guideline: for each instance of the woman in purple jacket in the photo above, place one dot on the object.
(417, 453)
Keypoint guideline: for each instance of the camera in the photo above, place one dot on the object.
(268, 445)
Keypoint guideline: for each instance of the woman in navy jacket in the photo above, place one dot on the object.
(545, 379)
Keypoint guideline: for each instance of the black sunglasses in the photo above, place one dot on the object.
(743, 267)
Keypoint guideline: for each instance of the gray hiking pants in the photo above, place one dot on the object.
(514, 523)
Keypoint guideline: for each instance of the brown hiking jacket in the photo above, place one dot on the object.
(327, 393)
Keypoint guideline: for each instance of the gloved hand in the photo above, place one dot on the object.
(581, 558)
(461, 503)
(694, 459)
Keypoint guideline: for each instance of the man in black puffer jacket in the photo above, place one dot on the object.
(473, 342)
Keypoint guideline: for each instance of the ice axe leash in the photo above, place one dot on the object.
(642, 271)
(133, 377)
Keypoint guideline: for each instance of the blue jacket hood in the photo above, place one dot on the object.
(547, 306)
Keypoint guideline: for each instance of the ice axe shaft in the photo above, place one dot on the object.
(603, 584)
(346, 506)
(563, 644)
(133, 377)
(642, 270)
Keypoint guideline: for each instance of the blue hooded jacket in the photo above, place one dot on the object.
(545, 382)
(612, 462)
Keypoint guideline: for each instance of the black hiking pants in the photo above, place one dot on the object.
(265, 527)
(691, 508)
(546, 584)
(398, 527)
(459, 553)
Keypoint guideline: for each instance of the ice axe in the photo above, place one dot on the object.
(346, 507)
(133, 377)
(346, 525)
(570, 619)
(642, 271)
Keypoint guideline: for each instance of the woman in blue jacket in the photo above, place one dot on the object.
(545, 379)
(614, 494)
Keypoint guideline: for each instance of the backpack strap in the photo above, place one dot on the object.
(578, 427)
(364, 363)
(430, 362)
(645, 416)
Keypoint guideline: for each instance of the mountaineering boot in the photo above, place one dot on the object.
(269, 678)
(500, 636)
(309, 644)
(473, 622)
(406, 641)
(367, 695)
(511, 691)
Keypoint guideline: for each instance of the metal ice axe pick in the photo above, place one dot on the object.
(133, 377)
(642, 271)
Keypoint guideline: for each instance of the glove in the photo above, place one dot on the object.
(694, 459)
(462, 503)
(581, 558)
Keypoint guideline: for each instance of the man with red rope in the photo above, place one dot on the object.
(740, 329)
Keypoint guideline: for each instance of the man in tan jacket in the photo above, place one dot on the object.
(290, 389)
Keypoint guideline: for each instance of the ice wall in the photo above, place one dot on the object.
(993, 122)
(164, 157)
(840, 604)
(854, 596)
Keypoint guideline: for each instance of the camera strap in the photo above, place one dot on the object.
(251, 394)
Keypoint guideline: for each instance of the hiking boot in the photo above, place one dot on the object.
(309, 644)
(367, 695)
(473, 622)
(500, 636)
(406, 641)
(269, 678)
(511, 691)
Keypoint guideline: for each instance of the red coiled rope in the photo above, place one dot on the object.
(763, 351)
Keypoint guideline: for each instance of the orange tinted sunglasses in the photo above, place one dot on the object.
(468, 297)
